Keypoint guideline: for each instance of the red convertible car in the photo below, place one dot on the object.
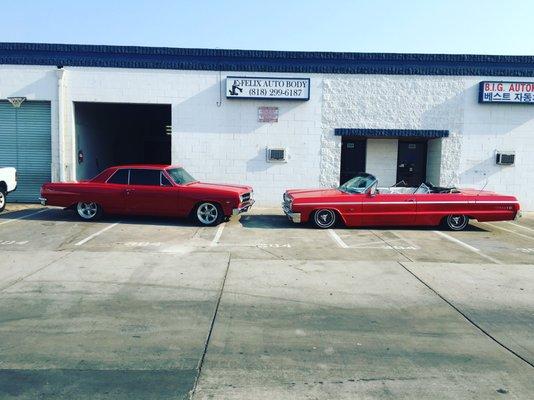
(360, 202)
(159, 190)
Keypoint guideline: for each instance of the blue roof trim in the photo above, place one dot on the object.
(264, 61)
(392, 133)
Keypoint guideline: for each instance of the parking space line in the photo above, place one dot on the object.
(510, 231)
(467, 246)
(217, 236)
(107, 228)
(24, 216)
(335, 237)
(520, 226)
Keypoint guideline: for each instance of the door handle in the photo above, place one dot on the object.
(411, 200)
(128, 191)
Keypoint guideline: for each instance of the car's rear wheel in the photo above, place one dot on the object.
(88, 211)
(324, 218)
(2, 200)
(209, 214)
(457, 222)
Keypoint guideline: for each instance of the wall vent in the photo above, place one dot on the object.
(276, 155)
(505, 158)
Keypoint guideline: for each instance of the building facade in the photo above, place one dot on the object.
(273, 120)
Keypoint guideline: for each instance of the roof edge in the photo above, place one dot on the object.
(264, 60)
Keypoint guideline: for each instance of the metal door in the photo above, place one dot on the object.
(25, 143)
(411, 163)
(352, 158)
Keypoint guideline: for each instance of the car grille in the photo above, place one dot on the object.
(245, 197)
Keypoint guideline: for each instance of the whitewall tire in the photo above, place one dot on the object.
(88, 211)
(457, 222)
(324, 218)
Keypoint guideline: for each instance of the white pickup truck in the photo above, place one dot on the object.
(8, 183)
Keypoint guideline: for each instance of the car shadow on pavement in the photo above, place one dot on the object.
(253, 221)
(61, 215)
(470, 228)
(268, 222)
(282, 222)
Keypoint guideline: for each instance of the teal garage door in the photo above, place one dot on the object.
(25, 143)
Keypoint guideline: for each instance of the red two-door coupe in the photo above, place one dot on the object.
(360, 202)
(158, 190)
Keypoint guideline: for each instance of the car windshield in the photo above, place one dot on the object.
(358, 184)
(180, 176)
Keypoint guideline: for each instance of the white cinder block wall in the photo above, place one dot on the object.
(219, 139)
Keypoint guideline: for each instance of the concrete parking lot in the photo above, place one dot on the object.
(259, 308)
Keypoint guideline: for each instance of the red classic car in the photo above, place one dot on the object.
(360, 202)
(159, 190)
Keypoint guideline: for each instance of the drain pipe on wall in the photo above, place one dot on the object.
(61, 122)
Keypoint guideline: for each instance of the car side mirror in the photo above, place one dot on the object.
(369, 192)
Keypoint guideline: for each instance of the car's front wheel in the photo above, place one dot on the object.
(324, 218)
(457, 222)
(88, 211)
(209, 214)
(2, 200)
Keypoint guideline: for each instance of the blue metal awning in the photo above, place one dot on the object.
(392, 133)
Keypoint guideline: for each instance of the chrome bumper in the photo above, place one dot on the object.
(42, 200)
(243, 208)
(293, 217)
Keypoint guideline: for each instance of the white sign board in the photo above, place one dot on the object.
(251, 87)
(506, 92)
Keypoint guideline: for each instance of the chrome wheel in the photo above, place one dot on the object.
(457, 222)
(324, 218)
(208, 214)
(87, 210)
(2, 200)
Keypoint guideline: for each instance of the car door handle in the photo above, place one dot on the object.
(128, 191)
(411, 200)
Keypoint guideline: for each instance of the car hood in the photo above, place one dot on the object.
(309, 193)
(239, 189)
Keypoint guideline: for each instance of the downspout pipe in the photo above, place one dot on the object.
(61, 122)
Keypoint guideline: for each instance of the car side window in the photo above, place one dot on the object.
(147, 177)
(164, 180)
(120, 177)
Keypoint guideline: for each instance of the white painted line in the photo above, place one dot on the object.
(335, 237)
(24, 216)
(510, 231)
(217, 236)
(467, 246)
(520, 226)
(101, 231)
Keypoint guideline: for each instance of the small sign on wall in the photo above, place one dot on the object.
(267, 114)
(506, 92)
(251, 87)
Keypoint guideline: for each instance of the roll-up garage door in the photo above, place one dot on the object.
(25, 143)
